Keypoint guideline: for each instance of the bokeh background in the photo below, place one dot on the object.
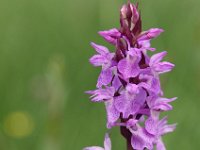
(44, 71)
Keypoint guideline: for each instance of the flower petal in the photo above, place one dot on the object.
(116, 83)
(162, 107)
(150, 34)
(162, 104)
(111, 35)
(141, 139)
(107, 142)
(112, 113)
(168, 128)
(123, 105)
(156, 58)
(139, 101)
(137, 142)
(93, 148)
(129, 67)
(151, 83)
(151, 126)
(105, 78)
(158, 127)
(130, 101)
(120, 103)
(132, 88)
(160, 145)
(100, 95)
(146, 45)
(100, 49)
(98, 60)
(159, 103)
(163, 67)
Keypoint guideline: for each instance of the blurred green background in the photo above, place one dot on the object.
(44, 71)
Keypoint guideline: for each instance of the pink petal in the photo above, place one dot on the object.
(163, 67)
(141, 139)
(138, 101)
(151, 126)
(107, 142)
(156, 58)
(132, 88)
(120, 103)
(98, 60)
(100, 95)
(105, 77)
(167, 100)
(168, 128)
(111, 35)
(129, 67)
(112, 113)
(162, 107)
(116, 83)
(93, 148)
(100, 49)
(160, 145)
(150, 34)
(137, 142)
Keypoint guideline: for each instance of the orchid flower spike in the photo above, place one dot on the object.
(129, 83)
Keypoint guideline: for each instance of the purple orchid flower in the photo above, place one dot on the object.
(129, 66)
(158, 128)
(150, 135)
(129, 83)
(145, 37)
(104, 59)
(130, 100)
(160, 104)
(160, 67)
(151, 83)
(107, 145)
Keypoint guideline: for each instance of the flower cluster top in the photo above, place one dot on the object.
(129, 83)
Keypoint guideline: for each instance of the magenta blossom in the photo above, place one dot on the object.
(151, 134)
(129, 83)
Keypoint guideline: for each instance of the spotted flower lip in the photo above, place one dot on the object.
(141, 139)
(131, 100)
(129, 66)
(129, 83)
